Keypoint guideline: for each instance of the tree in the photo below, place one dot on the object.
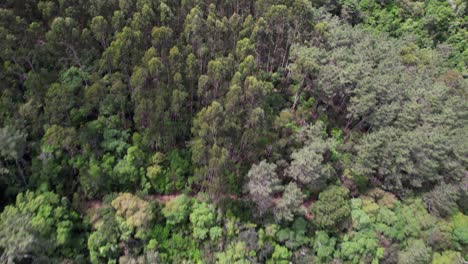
(235, 253)
(361, 247)
(63, 37)
(129, 171)
(416, 252)
(460, 228)
(12, 149)
(194, 30)
(18, 239)
(263, 182)
(177, 210)
(100, 29)
(447, 257)
(208, 154)
(136, 212)
(63, 99)
(123, 52)
(289, 204)
(325, 247)
(412, 166)
(332, 208)
(58, 138)
(103, 243)
(281, 255)
(49, 227)
(296, 236)
(361, 220)
(408, 220)
(161, 38)
(308, 165)
(202, 219)
(442, 200)
(169, 173)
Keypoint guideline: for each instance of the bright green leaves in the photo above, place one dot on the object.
(281, 255)
(361, 219)
(202, 219)
(235, 254)
(177, 210)
(130, 170)
(447, 257)
(324, 246)
(460, 230)
(360, 247)
(47, 220)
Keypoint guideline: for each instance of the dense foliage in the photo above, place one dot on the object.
(247, 131)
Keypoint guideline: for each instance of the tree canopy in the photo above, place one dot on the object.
(248, 131)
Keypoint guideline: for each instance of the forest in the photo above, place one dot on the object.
(234, 131)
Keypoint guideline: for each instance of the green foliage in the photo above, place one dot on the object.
(447, 257)
(361, 247)
(332, 208)
(263, 182)
(360, 218)
(49, 227)
(281, 255)
(258, 109)
(430, 23)
(324, 246)
(12, 148)
(442, 200)
(179, 248)
(136, 212)
(416, 252)
(202, 219)
(296, 236)
(290, 203)
(103, 243)
(168, 174)
(460, 230)
(235, 253)
(407, 221)
(308, 165)
(177, 210)
(18, 240)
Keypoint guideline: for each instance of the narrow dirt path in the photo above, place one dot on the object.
(161, 198)
(93, 205)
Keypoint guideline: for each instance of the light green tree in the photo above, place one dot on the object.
(202, 219)
(177, 210)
